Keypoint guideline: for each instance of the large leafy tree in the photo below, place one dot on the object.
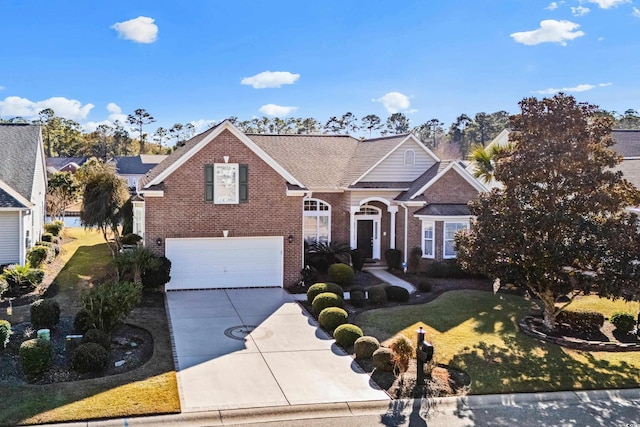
(62, 191)
(103, 198)
(559, 225)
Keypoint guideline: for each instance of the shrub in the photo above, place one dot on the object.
(45, 313)
(358, 298)
(347, 334)
(308, 274)
(4, 286)
(397, 293)
(325, 300)
(402, 350)
(81, 323)
(342, 274)
(364, 347)
(358, 259)
(581, 320)
(89, 357)
(332, 317)
(446, 268)
(414, 258)
(624, 322)
(425, 286)
(383, 359)
(35, 356)
(108, 304)
(393, 257)
(22, 278)
(5, 333)
(37, 255)
(47, 237)
(156, 277)
(97, 336)
(377, 294)
(54, 228)
(318, 288)
(131, 239)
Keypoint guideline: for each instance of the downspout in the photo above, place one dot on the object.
(406, 231)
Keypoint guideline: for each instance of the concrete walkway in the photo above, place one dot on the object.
(250, 348)
(382, 274)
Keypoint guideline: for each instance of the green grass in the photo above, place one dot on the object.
(150, 389)
(477, 331)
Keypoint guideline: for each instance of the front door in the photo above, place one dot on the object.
(365, 237)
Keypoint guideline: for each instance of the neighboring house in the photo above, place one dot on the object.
(23, 186)
(135, 167)
(235, 210)
(64, 164)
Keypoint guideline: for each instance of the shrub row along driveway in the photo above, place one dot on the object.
(246, 348)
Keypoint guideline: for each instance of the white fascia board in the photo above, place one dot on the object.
(326, 190)
(413, 203)
(451, 218)
(377, 189)
(152, 193)
(461, 171)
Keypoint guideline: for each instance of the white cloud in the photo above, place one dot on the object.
(606, 4)
(553, 5)
(580, 10)
(2, 88)
(636, 12)
(276, 110)
(68, 108)
(394, 102)
(550, 31)
(202, 124)
(574, 89)
(140, 30)
(267, 79)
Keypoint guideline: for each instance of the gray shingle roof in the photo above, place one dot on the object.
(60, 162)
(8, 201)
(444, 209)
(133, 165)
(627, 142)
(19, 145)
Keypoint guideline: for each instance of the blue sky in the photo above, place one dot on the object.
(94, 61)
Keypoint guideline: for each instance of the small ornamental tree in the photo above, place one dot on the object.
(558, 226)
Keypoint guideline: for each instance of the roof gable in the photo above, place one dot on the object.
(627, 143)
(20, 145)
(453, 166)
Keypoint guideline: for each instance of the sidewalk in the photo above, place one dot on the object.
(382, 274)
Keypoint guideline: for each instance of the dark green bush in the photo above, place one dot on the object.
(82, 322)
(131, 239)
(358, 259)
(90, 357)
(581, 320)
(53, 250)
(35, 356)
(393, 257)
(157, 277)
(5, 333)
(47, 237)
(383, 359)
(425, 286)
(448, 268)
(108, 304)
(357, 298)
(342, 274)
(37, 255)
(97, 336)
(332, 317)
(22, 278)
(364, 347)
(318, 288)
(325, 300)
(309, 274)
(347, 334)
(624, 322)
(414, 258)
(54, 228)
(45, 313)
(377, 294)
(397, 294)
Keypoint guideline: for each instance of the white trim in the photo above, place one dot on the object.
(444, 238)
(225, 125)
(450, 218)
(138, 206)
(461, 171)
(13, 193)
(406, 152)
(375, 199)
(152, 193)
(409, 137)
(432, 225)
(219, 199)
(377, 221)
(316, 214)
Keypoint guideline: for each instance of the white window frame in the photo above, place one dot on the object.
(444, 237)
(317, 213)
(409, 154)
(225, 178)
(425, 226)
(138, 219)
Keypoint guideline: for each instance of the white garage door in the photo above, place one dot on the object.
(231, 262)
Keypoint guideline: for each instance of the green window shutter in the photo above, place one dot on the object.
(243, 182)
(208, 183)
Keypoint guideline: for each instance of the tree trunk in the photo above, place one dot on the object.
(549, 303)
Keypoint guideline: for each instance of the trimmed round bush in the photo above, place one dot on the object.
(35, 356)
(82, 322)
(624, 322)
(325, 300)
(397, 294)
(358, 259)
(347, 334)
(425, 286)
(364, 347)
(318, 288)
(55, 227)
(383, 359)
(332, 317)
(581, 320)
(342, 274)
(357, 298)
(45, 313)
(90, 357)
(97, 336)
(47, 237)
(377, 294)
(5, 333)
(37, 256)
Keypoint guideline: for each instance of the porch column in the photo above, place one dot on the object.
(393, 210)
(353, 226)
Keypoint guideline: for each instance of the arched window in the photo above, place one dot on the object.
(409, 157)
(316, 221)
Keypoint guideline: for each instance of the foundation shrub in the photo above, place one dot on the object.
(393, 257)
(340, 273)
(47, 237)
(319, 288)
(332, 317)
(377, 295)
(364, 347)
(35, 356)
(159, 275)
(54, 228)
(358, 298)
(326, 300)
(45, 313)
(358, 259)
(38, 255)
(383, 359)
(89, 357)
(397, 294)
(347, 334)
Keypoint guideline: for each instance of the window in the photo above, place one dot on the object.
(450, 230)
(316, 221)
(409, 158)
(226, 183)
(428, 242)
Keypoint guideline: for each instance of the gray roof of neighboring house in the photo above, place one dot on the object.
(60, 162)
(627, 142)
(134, 165)
(630, 169)
(19, 145)
(444, 209)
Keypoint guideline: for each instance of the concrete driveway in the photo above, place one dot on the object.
(248, 348)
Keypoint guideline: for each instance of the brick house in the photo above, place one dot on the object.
(235, 210)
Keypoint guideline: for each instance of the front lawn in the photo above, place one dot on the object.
(477, 331)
